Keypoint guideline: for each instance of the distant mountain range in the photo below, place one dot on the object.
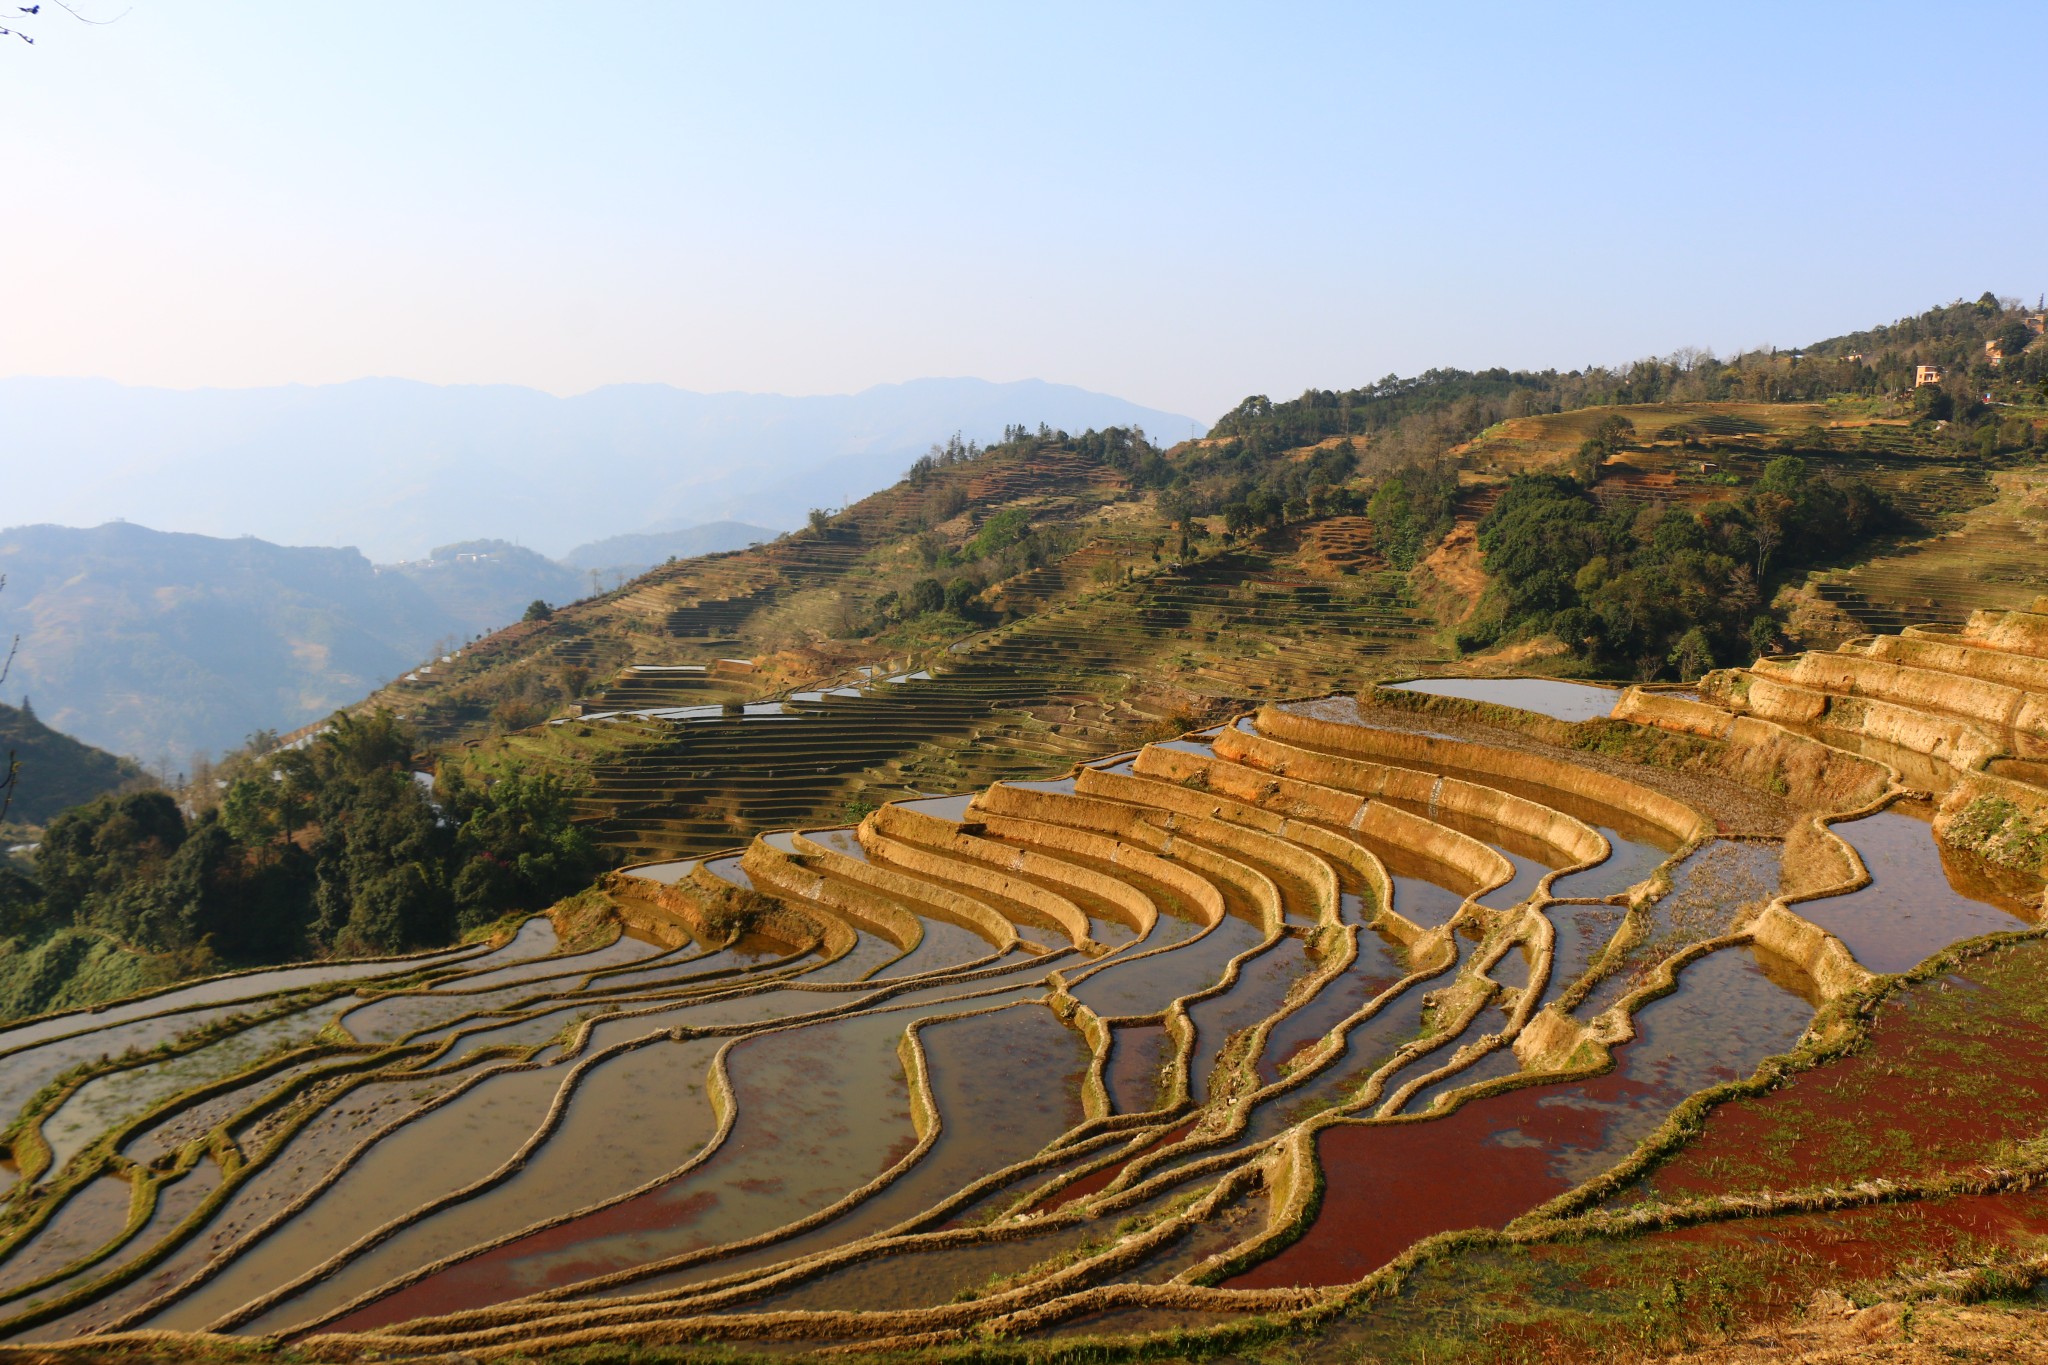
(156, 644)
(392, 466)
(633, 555)
(159, 644)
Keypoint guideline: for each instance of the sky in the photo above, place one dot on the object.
(1180, 204)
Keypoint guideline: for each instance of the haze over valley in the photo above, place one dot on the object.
(392, 467)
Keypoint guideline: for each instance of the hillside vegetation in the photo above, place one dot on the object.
(55, 772)
(1004, 610)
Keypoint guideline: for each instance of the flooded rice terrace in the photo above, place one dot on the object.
(1549, 696)
(975, 1054)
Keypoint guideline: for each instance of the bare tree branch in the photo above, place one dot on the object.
(35, 11)
(81, 18)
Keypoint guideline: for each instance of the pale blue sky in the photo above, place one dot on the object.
(1179, 204)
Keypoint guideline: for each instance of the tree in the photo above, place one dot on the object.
(516, 845)
(2013, 338)
(537, 610)
(926, 595)
(1693, 655)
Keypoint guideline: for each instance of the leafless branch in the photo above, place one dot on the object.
(34, 11)
(81, 18)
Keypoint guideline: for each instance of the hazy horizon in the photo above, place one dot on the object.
(395, 467)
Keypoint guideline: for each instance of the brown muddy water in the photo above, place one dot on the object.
(175, 1202)
(1391, 1184)
(1915, 905)
(1260, 989)
(1148, 985)
(1006, 1084)
(634, 1118)
(1135, 1074)
(819, 1111)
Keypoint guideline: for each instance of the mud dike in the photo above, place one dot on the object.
(1226, 1033)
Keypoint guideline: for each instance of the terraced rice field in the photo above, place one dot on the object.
(1205, 1037)
(691, 765)
(1991, 560)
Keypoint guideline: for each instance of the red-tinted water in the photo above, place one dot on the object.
(1389, 1185)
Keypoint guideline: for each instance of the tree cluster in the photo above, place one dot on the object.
(1660, 593)
(1420, 417)
(334, 847)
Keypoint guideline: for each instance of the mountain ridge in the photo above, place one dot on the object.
(393, 466)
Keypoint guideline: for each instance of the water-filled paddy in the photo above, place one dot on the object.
(824, 1147)
(1134, 1076)
(1628, 861)
(618, 953)
(1379, 964)
(89, 1220)
(635, 1117)
(818, 1112)
(1147, 985)
(1391, 1184)
(1005, 1083)
(120, 1096)
(1261, 988)
(1913, 907)
(1712, 892)
(249, 986)
(1548, 696)
(445, 1149)
(175, 1202)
